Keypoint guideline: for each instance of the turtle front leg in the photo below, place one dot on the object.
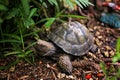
(65, 63)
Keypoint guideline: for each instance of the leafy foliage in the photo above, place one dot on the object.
(115, 59)
(19, 18)
(117, 56)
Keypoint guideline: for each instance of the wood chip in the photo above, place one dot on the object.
(108, 47)
(70, 77)
(106, 54)
(61, 75)
(12, 69)
(24, 77)
(112, 53)
(98, 42)
(99, 37)
(97, 33)
(92, 55)
(91, 79)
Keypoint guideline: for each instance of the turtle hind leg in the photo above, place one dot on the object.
(65, 64)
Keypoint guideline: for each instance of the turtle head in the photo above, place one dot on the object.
(45, 48)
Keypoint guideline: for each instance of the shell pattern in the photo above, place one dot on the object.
(74, 38)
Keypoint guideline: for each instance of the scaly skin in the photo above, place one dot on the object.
(65, 64)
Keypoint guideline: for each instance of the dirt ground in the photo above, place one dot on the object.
(85, 67)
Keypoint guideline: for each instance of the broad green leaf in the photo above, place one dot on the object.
(49, 23)
(1, 20)
(117, 56)
(32, 12)
(43, 3)
(3, 8)
(26, 7)
(118, 45)
(14, 12)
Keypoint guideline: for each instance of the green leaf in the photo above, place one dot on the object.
(26, 7)
(73, 16)
(53, 2)
(32, 12)
(27, 52)
(30, 45)
(49, 22)
(3, 8)
(102, 65)
(68, 2)
(9, 41)
(21, 55)
(12, 36)
(43, 3)
(1, 20)
(78, 3)
(32, 33)
(117, 56)
(24, 54)
(12, 13)
(118, 45)
(11, 53)
(26, 59)
(84, 3)
(28, 22)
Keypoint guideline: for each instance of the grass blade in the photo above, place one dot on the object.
(9, 41)
(32, 12)
(49, 22)
(12, 53)
(73, 16)
(12, 36)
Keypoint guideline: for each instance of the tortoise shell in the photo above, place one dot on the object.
(74, 38)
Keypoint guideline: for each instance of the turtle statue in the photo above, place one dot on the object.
(73, 38)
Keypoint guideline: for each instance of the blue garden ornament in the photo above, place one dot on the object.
(111, 19)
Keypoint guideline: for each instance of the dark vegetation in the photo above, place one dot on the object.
(25, 20)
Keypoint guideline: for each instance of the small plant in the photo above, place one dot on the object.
(16, 24)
